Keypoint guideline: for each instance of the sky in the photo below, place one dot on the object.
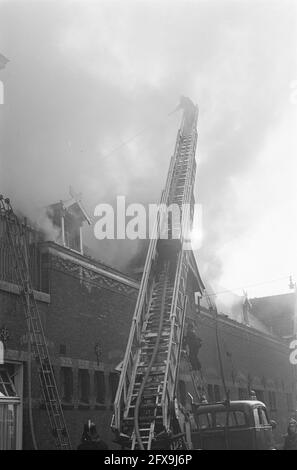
(85, 77)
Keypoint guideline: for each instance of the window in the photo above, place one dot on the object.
(272, 400)
(210, 393)
(242, 394)
(72, 232)
(263, 420)
(7, 426)
(220, 419)
(256, 417)
(204, 421)
(289, 401)
(6, 385)
(230, 419)
(182, 392)
(9, 402)
(113, 384)
(217, 395)
(239, 418)
(99, 386)
(213, 392)
(84, 385)
(260, 395)
(62, 349)
(44, 275)
(66, 381)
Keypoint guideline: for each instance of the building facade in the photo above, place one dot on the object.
(86, 309)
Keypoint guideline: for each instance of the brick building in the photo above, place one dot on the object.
(86, 308)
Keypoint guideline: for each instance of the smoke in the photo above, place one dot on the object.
(45, 224)
(84, 77)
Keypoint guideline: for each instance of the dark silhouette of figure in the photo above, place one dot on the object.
(252, 395)
(90, 439)
(194, 344)
(291, 437)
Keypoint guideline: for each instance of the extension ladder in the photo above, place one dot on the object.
(16, 235)
(145, 416)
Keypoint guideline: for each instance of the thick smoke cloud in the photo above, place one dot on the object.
(84, 77)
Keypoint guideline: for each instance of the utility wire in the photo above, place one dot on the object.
(139, 133)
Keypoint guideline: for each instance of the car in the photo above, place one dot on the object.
(232, 425)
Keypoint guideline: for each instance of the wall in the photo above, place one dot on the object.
(87, 311)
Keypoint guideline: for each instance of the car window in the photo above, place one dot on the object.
(256, 417)
(263, 417)
(220, 419)
(239, 418)
(230, 419)
(204, 421)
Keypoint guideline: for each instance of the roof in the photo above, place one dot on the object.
(73, 202)
(274, 304)
(230, 306)
(276, 312)
(72, 205)
(233, 405)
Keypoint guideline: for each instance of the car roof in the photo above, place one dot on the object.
(241, 405)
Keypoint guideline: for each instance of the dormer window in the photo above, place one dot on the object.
(72, 234)
(68, 218)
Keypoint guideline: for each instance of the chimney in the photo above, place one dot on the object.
(246, 309)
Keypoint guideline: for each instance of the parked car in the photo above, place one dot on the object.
(232, 425)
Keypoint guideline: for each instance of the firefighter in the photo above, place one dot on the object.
(90, 439)
(253, 395)
(194, 344)
(291, 437)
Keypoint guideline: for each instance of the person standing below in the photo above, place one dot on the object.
(291, 437)
(90, 439)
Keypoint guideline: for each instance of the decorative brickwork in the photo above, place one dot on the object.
(91, 278)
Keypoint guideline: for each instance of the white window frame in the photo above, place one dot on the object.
(18, 384)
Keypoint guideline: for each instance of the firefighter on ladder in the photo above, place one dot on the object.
(193, 344)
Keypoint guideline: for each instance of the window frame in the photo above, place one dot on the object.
(99, 373)
(64, 370)
(82, 385)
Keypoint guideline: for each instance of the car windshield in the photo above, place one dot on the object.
(221, 419)
(230, 418)
(204, 421)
